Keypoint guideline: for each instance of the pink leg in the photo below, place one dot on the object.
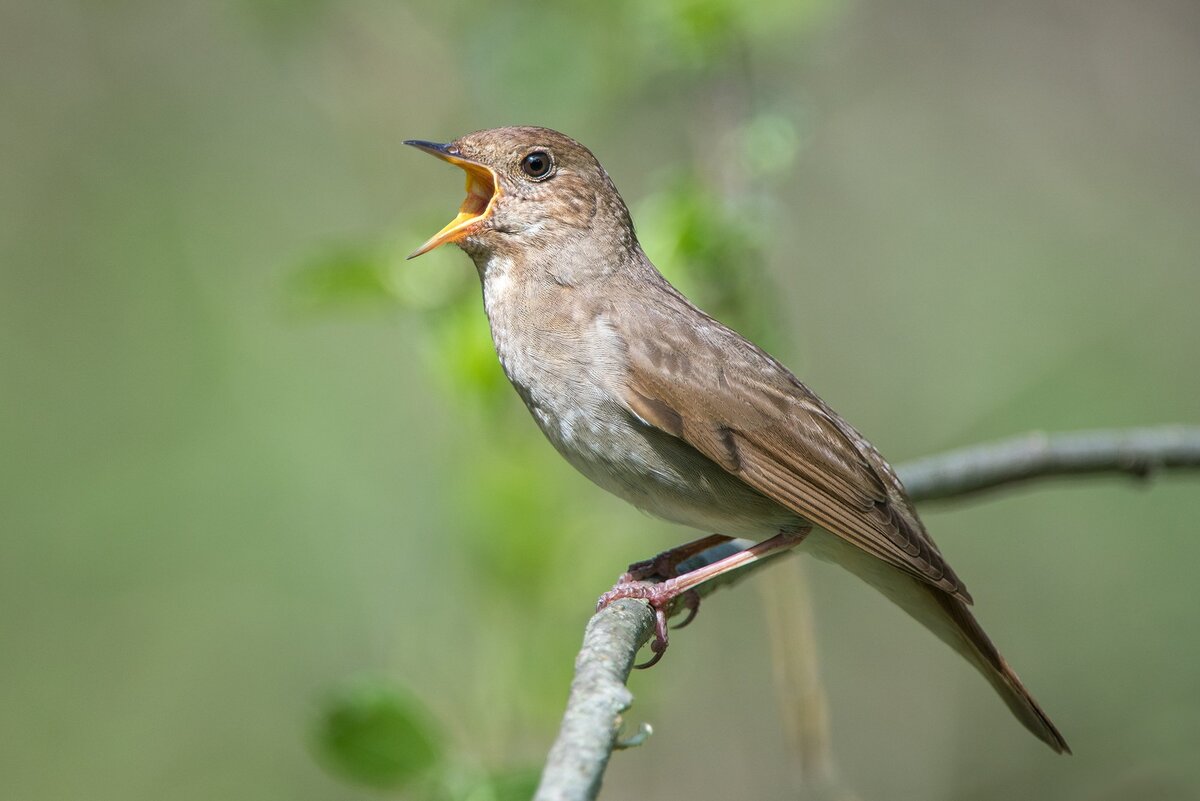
(664, 565)
(661, 594)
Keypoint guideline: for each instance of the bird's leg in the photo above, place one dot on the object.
(660, 595)
(666, 565)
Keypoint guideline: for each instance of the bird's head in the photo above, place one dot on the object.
(529, 189)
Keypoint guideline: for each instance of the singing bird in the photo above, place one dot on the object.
(665, 407)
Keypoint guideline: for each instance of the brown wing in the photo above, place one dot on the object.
(743, 410)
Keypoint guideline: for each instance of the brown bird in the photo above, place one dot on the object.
(663, 406)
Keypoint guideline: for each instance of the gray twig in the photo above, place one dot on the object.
(1136, 452)
(598, 697)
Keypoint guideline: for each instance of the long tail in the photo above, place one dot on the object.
(975, 645)
(951, 621)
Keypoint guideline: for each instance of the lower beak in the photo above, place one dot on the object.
(482, 191)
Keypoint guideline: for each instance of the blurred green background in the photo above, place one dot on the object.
(262, 479)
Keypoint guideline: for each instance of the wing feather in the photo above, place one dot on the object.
(744, 411)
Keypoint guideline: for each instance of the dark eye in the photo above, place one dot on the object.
(537, 164)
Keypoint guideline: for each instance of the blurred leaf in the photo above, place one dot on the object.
(378, 273)
(348, 275)
(770, 144)
(700, 34)
(515, 515)
(460, 353)
(710, 251)
(464, 783)
(438, 279)
(373, 732)
(515, 785)
(285, 19)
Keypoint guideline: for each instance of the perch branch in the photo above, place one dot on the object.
(598, 697)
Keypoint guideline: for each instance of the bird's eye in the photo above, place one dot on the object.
(537, 164)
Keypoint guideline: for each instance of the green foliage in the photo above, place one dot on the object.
(504, 785)
(349, 275)
(373, 732)
(709, 248)
(701, 34)
(770, 143)
(283, 18)
(514, 490)
(458, 351)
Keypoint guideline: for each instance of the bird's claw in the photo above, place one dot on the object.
(691, 601)
(660, 596)
(654, 580)
(658, 646)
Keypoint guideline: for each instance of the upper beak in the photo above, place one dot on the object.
(482, 191)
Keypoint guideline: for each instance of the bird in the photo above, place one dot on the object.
(665, 407)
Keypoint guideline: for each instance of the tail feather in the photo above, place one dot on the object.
(948, 618)
(983, 654)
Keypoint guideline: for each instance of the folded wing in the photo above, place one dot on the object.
(743, 410)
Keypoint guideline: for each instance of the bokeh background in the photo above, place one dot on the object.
(273, 526)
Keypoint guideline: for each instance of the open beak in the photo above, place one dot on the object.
(482, 191)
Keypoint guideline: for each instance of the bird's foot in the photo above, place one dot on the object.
(682, 587)
(662, 597)
(652, 580)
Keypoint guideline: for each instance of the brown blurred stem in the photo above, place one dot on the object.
(592, 722)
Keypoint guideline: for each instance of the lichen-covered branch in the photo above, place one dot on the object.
(598, 696)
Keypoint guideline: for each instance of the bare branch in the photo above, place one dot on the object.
(1137, 452)
(598, 696)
